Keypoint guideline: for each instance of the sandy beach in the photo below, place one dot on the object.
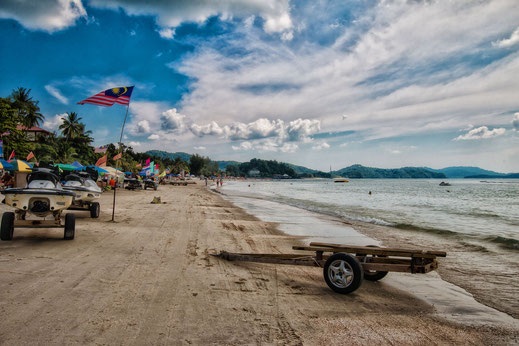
(148, 278)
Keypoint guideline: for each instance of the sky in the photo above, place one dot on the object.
(311, 82)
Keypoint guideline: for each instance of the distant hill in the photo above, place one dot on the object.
(462, 172)
(361, 172)
(167, 155)
(224, 164)
(494, 176)
(304, 172)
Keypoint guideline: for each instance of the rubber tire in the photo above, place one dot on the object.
(95, 210)
(70, 226)
(358, 272)
(375, 275)
(7, 227)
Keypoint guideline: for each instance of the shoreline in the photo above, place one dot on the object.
(149, 278)
(457, 269)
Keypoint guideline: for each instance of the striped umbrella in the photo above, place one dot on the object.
(20, 165)
(5, 165)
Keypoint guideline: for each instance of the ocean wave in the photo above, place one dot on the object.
(506, 243)
(439, 231)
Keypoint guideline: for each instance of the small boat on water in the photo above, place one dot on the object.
(341, 180)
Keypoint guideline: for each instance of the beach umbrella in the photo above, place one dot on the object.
(98, 169)
(5, 165)
(20, 166)
(76, 164)
(66, 167)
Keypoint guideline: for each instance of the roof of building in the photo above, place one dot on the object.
(31, 129)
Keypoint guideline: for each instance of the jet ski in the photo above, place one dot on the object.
(42, 197)
(86, 192)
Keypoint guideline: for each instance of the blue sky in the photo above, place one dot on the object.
(316, 83)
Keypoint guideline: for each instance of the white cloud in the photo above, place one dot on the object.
(200, 148)
(320, 146)
(508, 42)
(171, 120)
(45, 15)
(481, 133)
(57, 94)
(389, 83)
(170, 14)
(267, 145)
(167, 33)
(134, 144)
(143, 126)
(53, 123)
(515, 121)
(210, 129)
(287, 36)
(154, 137)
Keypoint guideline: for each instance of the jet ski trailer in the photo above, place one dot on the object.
(42, 197)
(346, 266)
(86, 192)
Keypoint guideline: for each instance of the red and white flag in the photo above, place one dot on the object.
(11, 156)
(101, 162)
(139, 165)
(102, 149)
(108, 97)
(118, 156)
(30, 156)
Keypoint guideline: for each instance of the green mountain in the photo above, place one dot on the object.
(361, 172)
(462, 172)
(167, 155)
(224, 164)
(494, 176)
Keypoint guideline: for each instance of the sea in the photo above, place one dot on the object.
(482, 210)
(475, 221)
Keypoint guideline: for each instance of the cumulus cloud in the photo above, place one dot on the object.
(44, 15)
(481, 133)
(134, 144)
(56, 93)
(143, 126)
(515, 121)
(200, 148)
(299, 129)
(508, 42)
(53, 123)
(154, 137)
(171, 120)
(171, 13)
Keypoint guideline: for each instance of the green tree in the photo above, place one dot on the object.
(26, 107)
(71, 126)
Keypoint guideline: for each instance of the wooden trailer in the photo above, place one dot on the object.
(346, 266)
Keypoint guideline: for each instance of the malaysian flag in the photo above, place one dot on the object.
(102, 149)
(110, 96)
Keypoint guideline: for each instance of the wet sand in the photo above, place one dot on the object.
(149, 279)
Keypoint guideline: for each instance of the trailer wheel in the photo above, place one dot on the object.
(343, 273)
(94, 210)
(7, 227)
(373, 275)
(70, 226)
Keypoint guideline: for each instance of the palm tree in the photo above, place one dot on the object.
(71, 127)
(26, 107)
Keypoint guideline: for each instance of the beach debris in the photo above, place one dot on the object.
(157, 200)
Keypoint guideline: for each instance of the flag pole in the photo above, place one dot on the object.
(120, 151)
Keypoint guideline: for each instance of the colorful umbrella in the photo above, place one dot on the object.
(76, 164)
(5, 165)
(66, 167)
(20, 166)
(98, 169)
